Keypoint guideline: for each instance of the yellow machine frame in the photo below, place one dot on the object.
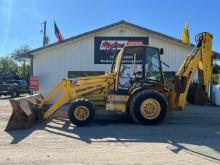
(95, 88)
(200, 59)
(100, 90)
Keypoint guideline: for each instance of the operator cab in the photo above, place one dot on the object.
(137, 63)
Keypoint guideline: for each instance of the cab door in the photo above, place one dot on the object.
(131, 67)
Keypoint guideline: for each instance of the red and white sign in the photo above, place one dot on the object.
(107, 47)
(34, 83)
(135, 43)
(118, 45)
(112, 44)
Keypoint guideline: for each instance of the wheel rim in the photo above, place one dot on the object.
(150, 108)
(81, 113)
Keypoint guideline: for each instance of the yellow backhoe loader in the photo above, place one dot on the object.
(135, 85)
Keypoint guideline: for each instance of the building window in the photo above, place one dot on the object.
(73, 74)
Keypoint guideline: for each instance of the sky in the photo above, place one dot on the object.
(21, 20)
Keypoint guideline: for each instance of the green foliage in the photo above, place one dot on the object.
(14, 66)
(15, 54)
(215, 79)
(216, 72)
(216, 69)
(8, 67)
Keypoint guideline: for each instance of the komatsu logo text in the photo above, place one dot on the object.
(85, 89)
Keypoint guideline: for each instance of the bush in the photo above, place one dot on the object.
(215, 79)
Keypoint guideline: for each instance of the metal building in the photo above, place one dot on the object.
(90, 52)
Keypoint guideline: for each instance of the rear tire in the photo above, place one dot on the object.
(81, 112)
(148, 107)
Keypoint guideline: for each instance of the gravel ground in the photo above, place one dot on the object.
(188, 137)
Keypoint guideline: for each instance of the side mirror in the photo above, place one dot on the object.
(161, 51)
(180, 84)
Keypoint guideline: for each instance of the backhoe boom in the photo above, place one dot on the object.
(200, 59)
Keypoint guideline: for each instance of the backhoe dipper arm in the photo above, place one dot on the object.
(200, 58)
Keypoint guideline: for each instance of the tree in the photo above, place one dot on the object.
(22, 62)
(216, 68)
(14, 66)
(8, 68)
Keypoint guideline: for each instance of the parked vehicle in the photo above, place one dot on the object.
(13, 87)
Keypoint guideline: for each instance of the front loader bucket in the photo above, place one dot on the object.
(23, 115)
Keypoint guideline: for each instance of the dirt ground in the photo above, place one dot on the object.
(188, 137)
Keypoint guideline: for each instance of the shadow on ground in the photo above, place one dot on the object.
(178, 130)
(9, 97)
(5, 97)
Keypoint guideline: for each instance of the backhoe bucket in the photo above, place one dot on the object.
(197, 95)
(23, 115)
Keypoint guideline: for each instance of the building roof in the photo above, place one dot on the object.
(122, 22)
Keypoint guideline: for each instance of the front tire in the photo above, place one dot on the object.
(81, 112)
(148, 107)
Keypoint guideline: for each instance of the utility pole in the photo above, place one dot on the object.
(44, 35)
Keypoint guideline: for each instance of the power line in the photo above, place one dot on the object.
(24, 15)
(18, 37)
(19, 12)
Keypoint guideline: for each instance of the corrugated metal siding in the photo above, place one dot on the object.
(53, 65)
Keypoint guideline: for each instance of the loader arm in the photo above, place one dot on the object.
(199, 59)
(67, 91)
